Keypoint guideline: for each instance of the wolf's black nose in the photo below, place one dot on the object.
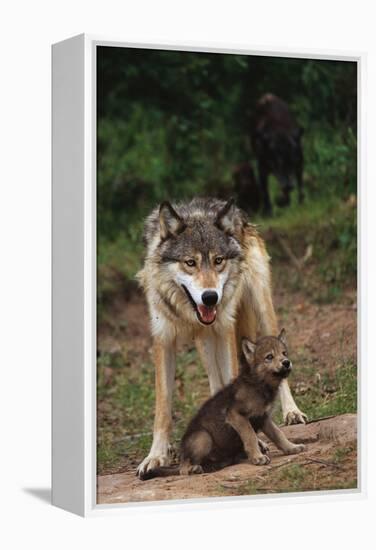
(209, 298)
(286, 363)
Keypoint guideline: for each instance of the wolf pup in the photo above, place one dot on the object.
(226, 425)
(206, 276)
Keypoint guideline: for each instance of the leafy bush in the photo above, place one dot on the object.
(330, 162)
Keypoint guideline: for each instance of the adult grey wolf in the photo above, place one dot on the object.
(276, 141)
(206, 276)
(225, 426)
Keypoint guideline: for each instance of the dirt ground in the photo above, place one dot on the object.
(320, 329)
(328, 462)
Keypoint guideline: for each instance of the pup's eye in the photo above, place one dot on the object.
(284, 353)
(269, 357)
(218, 260)
(191, 263)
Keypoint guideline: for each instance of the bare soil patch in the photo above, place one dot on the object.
(329, 462)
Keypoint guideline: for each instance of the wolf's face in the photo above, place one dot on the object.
(268, 358)
(201, 255)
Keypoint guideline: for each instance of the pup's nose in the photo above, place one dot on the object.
(209, 298)
(286, 364)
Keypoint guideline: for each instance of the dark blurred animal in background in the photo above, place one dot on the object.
(246, 188)
(276, 141)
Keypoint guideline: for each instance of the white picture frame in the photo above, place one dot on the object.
(74, 277)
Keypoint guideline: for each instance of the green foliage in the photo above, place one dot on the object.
(330, 162)
(174, 124)
(118, 261)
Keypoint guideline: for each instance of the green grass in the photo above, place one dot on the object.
(332, 396)
(292, 478)
(126, 416)
(326, 225)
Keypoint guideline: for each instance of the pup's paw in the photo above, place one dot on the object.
(151, 462)
(196, 469)
(259, 460)
(188, 469)
(295, 416)
(295, 449)
(263, 447)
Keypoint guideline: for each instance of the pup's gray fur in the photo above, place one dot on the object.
(225, 427)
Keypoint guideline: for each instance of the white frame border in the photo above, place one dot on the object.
(86, 503)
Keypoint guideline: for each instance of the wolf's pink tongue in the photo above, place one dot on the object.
(207, 313)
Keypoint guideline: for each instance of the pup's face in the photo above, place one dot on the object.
(268, 357)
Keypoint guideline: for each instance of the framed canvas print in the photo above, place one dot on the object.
(206, 283)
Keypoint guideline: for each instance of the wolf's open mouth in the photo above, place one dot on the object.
(205, 314)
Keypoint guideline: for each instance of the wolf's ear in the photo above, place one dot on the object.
(228, 219)
(282, 337)
(170, 222)
(248, 348)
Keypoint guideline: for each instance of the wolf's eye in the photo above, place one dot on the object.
(218, 260)
(191, 263)
(284, 353)
(269, 357)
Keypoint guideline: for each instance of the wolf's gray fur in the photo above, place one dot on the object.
(206, 277)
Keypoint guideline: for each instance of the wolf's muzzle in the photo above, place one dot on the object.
(206, 314)
(209, 298)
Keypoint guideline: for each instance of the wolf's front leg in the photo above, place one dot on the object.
(258, 306)
(291, 413)
(218, 353)
(164, 355)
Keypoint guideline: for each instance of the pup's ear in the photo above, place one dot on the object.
(227, 218)
(248, 348)
(282, 337)
(170, 222)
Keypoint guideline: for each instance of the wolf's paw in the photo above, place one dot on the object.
(263, 447)
(294, 416)
(151, 462)
(259, 460)
(295, 449)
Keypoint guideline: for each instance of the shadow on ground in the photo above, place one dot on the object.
(41, 493)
